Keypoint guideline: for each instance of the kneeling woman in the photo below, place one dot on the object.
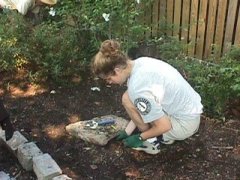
(159, 101)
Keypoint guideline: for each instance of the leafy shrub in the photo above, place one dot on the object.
(109, 19)
(62, 45)
(169, 47)
(13, 44)
(57, 51)
(218, 84)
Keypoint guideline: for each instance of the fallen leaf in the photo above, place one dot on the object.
(132, 173)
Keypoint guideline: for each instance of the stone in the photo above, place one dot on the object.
(62, 177)
(25, 155)
(4, 176)
(45, 167)
(102, 134)
(16, 141)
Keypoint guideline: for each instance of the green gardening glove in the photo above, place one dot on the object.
(133, 141)
(121, 135)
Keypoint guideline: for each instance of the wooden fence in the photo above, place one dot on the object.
(208, 27)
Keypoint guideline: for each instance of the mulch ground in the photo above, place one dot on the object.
(41, 113)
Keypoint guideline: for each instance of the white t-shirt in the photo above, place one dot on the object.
(156, 88)
(22, 6)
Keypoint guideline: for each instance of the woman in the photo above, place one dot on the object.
(159, 101)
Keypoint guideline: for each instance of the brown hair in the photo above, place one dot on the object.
(108, 58)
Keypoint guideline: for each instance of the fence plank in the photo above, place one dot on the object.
(222, 10)
(201, 28)
(207, 26)
(185, 21)
(177, 17)
(162, 15)
(232, 10)
(155, 18)
(193, 27)
(148, 19)
(170, 14)
(210, 28)
(237, 33)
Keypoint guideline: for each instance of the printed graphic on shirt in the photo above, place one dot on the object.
(143, 105)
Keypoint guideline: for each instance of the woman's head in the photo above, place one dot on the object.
(109, 61)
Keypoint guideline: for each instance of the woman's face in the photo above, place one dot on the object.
(118, 77)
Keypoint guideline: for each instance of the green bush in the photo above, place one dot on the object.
(169, 47)
(56, 51)
(62, 45)
(123, 23)
(14, 32)
(218, 84)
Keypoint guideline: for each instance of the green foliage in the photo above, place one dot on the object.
(60, 46)
(169, 47)
(234, 54)
(122, 24)
(57, 52)
(51, 50)
(218, 84)
(13, 31)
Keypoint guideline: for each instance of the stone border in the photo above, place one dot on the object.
(32, 158)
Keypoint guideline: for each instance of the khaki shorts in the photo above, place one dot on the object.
(182, 129)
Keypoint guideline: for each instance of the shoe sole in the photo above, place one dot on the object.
(146, 149)
(167, 142)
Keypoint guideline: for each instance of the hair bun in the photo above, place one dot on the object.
(110, 48)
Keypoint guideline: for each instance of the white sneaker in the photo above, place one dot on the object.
(150, 147)
(162, 141)
(168, 142)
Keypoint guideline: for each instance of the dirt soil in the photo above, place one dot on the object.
(41, 113)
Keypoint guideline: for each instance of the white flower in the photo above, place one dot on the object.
(138, 1)
(52, 12)
(106, 16)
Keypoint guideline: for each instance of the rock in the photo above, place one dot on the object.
(102, 134)
(15, 141)
(62, 177)
(4, 176)
(25, 154)
(45, 167)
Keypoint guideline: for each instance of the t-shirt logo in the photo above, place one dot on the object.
(143, 105)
